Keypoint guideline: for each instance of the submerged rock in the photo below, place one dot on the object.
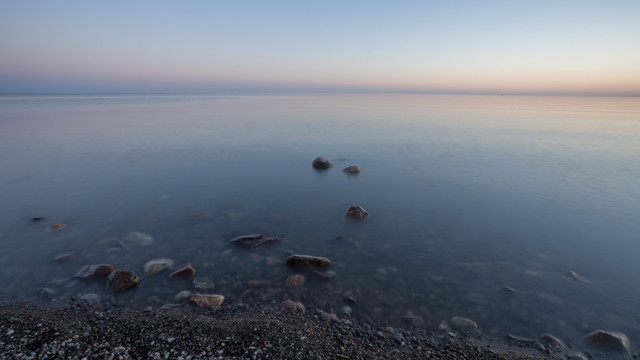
(254, 240)
(291, 306)
(608, 340)
(62, 257)
(90, 298)
(295, 281)
(206, 300)
(122, 280)
(55, 227)
(203, 284)
(138, 239)
(551, 340)
(182, 295)
(415, 321)
(37, 218)
(356, 213)
(259, 283)
(302, 261)
(463, 324)
(95, 272)
(353, 169)
(184, 271)
(321, 163)
(327, 275)
(157, 265)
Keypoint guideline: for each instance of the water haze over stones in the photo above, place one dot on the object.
(295, 281)
(254, 240)
(156, 265)
(466, 194)
(136, 238)
(95, 272)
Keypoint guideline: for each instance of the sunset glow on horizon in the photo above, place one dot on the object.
(555, 47)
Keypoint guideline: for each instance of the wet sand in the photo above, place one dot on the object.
(29, 331)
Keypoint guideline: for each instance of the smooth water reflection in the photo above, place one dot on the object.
(467, 195)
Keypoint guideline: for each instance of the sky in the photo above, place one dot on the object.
(157, 46)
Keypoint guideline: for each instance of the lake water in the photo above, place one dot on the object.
(467, 195)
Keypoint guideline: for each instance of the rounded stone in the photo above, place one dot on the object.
(295, 281)
(353, 169)
(122, 280)
(157, 265)
(608, 340)
(206, 300)
(291, 306)
(461, 323)
(356, 213)
(321, 163)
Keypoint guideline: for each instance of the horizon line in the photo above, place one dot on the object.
(328, 92)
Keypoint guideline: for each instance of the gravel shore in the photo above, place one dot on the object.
(29, 331)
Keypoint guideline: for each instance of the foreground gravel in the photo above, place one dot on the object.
(29, 331)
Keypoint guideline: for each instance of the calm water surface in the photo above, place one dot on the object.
(466, 195)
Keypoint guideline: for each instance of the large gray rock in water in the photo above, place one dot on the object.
(321, 163)
(254, 240)
(122, 280)
(94, 272)
(301, 261)
(608, 340)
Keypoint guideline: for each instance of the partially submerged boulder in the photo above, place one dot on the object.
(94, 272)
(356, 213)
(184, 271)
(122, 280)
(254, 240)
(302, 261)
(157, 265)
(608, 340)
(321, 163)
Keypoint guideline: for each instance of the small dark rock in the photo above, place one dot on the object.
(95, 272)
(184, 271)
(122, 280)
(55, 227)
(321, 163)
(356, 213)
(352, 170)
(254, 240)
(37, 218)
(295, 281)
(291, 306)
(257, 284)
(302, 261)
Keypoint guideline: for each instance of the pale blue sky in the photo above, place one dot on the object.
(203, 46)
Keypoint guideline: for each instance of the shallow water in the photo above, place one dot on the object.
(466, 195)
